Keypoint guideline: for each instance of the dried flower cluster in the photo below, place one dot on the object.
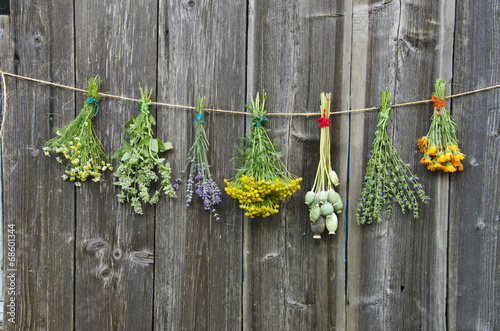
(79, 144)
(387, 177)
(440, 145)
(138, 158)
(262, 181)
(199, 178)
(322, 200)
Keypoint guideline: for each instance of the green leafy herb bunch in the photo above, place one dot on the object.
(138, 159)
(262, 181)
(387, 177)
(323, 201)
(78, 143)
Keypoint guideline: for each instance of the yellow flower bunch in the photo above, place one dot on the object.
(78, 171)
(260, 198)
(78, 143)
(262, 181)
(440, 145)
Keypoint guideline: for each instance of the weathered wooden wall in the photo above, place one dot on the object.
(86, 262)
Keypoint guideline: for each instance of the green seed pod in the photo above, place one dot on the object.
(333, 197)
(314, 213)
(322, 196)
(332, 223)
(334, 178)
(326, 209)
(309, 198)
(314, 203)
(318, 227)
(338, 206)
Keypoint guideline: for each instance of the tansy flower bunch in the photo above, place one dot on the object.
(138, 159)
(387, 177)
(322, 200)
(79, 144)
(199, 177)
(262, 181)
(440, 145)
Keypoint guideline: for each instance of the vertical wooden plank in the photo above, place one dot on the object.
(198, 273)
(38, 206)
(296, 51)
(474, 267)
(115, 248)
(397, 269)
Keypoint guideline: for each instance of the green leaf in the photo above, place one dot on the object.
(125, 156)
(118, 154)
(154, 145)
(164, 146)
(152, 120)
(146, 141)
(130, 121)
(139, 118)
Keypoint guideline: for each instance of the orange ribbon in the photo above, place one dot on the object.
(438, 103)
(323, 121)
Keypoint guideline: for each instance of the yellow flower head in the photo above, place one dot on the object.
(432, 150)
(448, 167)
(422, 144)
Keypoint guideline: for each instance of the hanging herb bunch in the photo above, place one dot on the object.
(79, 144)
(138, 159)
(323, 200)
(262, 181)
(387, 177)
(198, 169)
(440, 145)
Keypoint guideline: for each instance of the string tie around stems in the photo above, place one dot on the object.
(323, 121)
(438, 103)
(90, 101)
(261, 119)
(199, 118)
(144, 106)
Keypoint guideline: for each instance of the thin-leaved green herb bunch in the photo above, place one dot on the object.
(262, 180)
(199, 178)
(323, 201)
(78, 143)
(138, 159)
(387, 177)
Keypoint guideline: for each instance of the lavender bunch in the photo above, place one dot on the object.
(200, 180)
(387, 177)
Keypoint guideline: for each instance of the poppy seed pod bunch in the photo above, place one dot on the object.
(323, 201)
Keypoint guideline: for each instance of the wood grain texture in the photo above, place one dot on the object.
(115, 247)
(297, 51)
(198, 276)
(397, 269)
(36, 201)
(474, 261)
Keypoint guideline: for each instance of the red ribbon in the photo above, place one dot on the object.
(323, 121)
(438, 103)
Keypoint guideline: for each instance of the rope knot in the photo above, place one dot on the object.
(438, 103)
(261, 119)
(90, 101)
(199, 118)
(323, 121)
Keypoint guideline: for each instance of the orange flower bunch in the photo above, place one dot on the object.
(440, 145)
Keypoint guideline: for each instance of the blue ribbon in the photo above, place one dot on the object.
(91, 100)
(199, 118)
(262, 119)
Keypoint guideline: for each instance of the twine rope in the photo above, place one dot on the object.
(111, 96)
